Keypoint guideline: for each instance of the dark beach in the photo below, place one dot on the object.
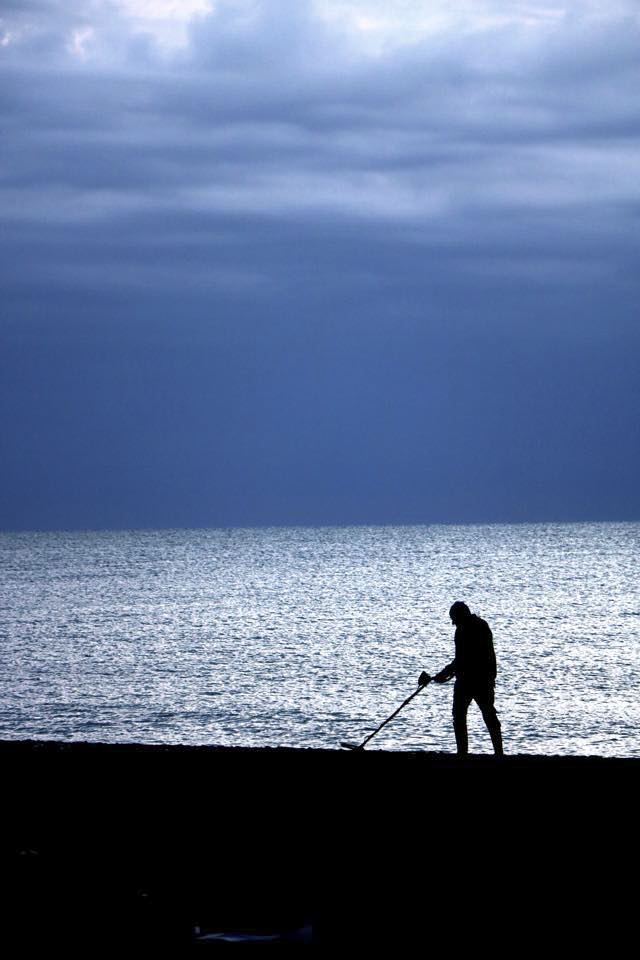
(142, 845)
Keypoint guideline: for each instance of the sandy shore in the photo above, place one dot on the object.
(144, 844)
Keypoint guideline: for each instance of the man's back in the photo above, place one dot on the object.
(475, 661)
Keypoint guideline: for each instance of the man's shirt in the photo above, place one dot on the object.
(475, 660)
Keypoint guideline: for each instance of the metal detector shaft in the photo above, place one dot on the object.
(394, 714)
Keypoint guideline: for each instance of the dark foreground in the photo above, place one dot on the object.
(141, 846)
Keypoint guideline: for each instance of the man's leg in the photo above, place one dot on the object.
(486, 703)
(461, 700)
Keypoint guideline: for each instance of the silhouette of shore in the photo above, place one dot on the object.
(147, 845)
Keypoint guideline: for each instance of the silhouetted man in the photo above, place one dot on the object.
(474, 668)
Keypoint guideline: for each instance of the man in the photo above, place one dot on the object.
(474, 668)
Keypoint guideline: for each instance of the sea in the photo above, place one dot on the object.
(311, 636)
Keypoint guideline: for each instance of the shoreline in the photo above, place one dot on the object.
(40, 750)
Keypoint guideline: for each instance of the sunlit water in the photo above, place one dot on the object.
(309, 636)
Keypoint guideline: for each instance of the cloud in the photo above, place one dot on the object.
(503, 142)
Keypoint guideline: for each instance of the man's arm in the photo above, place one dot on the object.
(446, 673)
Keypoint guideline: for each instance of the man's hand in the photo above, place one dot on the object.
(444, 675)
(424, 679)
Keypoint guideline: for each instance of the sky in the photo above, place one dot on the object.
(332, 262)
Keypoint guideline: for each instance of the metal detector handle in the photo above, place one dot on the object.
(395, 713)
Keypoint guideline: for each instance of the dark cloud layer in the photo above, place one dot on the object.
(275, 275)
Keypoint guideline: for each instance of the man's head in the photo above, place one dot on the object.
(459, 612)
